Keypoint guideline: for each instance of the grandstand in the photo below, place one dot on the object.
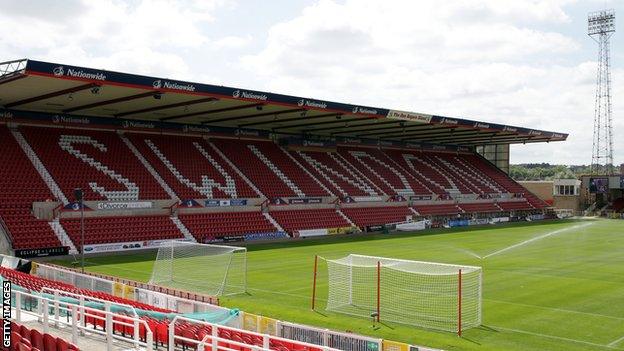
(163, 160)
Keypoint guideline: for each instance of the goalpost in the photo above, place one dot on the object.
(214, 270)
(424, 294)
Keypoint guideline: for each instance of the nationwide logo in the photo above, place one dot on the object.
(198, 129)
(359, 109)
(77, 73)
(58, 71)
(313, 143)
(136, 124)
(68, 119)
(311, 103)
(249, 95)
(6, 115)
(352, 141)
(157, 84)
(412, 145)
(557, 135)
(449, 121)
(510, 129)
(246, 132)
(481, 125)
(385, 143)
(535, 132)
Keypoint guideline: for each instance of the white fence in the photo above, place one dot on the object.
(319, 336)
(213, 339)
(54, 312)
(150, 297)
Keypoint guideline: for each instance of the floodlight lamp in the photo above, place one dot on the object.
(601, 22)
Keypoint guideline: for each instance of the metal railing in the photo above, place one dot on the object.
(9, 68)
(213, 342)
(54, 312)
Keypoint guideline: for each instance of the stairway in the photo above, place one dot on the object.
(307, 171)
(43, 172)
(183, 229)
(276, 170)
(453, 189)
(357, 174)
(346, 218)
(273, 221)
(238, 171)
(61, 234)
(405, 191)
(149, 168)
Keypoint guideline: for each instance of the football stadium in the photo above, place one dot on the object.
(149, 213)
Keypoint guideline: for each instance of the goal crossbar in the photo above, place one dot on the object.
(210, 269)
(432, 295)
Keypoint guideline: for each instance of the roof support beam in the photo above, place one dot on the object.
(485, 136)
(288, 120)
(515, 140)
(207, 112)
(164, 107)
(318, 123)
(256, 115)
(418, 132)
(369, 122)
(52, 95)
(112, 101)
(12, 78)
(384, 130)
(433, 133)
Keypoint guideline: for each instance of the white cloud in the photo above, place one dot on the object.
(148, 36)
(486, 60)
(502, 61)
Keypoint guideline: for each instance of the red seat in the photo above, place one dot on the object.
(50, 342)
(36, 339)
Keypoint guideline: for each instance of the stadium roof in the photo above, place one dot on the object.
(28, 85)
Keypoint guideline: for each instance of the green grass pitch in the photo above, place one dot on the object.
(547, 286)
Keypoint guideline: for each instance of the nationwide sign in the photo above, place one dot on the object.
(409, 116)
(101, 77)
(158, 84)
(249, 95)
(60, 71)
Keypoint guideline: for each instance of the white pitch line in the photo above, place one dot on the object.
(561, 338)
(554, 232)
(555, 309)
(615, 342)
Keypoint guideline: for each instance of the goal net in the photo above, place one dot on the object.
(214, 270)
(424, 294)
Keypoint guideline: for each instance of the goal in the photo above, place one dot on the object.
(214, 270)
(424, 294)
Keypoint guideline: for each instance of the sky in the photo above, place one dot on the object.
(525, 63)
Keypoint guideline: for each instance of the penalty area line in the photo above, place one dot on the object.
(539, 237)
(615, 342)
(560, 338)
